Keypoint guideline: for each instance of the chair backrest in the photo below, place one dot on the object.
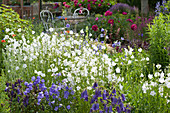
(47, 19)
(81, 11)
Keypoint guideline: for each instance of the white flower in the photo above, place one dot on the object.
(161, 80)
(147, 59)
(17, 68)
(51, 29)
(129, 62)
(76, 34)
(150, 76)
(89, 88)
(90, 34)
(156, 74)
(140, 49)
(78, 88)
(49, 70)
(42, 74)
(71, 32)
(19, 30)
(54, 69)
(120, 86)
(7, 30)
(107, 37)
(132, 57)
(6, 37)
(9, 71)
(33, 32)
(24, 65)
(81, 31)
(141, 75)
(158, 66)
(117, 70)
(152, 93)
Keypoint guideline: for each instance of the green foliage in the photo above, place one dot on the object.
(3, 102)
(160, 40)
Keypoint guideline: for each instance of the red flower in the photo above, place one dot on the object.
(108, 13)
(94, 27)
(3, 41)
(124, 13)
(133, 27)
(13, 35)
(111, 21)
(130, 20)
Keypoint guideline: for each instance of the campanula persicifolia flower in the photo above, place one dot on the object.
(95, 85)
(111, 21)
(95, 106)
(133, 27)
(94, 27)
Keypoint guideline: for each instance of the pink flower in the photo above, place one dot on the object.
(133, 27)
(124, 13)
(88, 7)
(99, 5)
(108, 3)
(79, 5)
(82, 0)
(130, 20)
(108, 13)
(101, 1)
(97, 19)
(88, 0)
(111, 21)
(101, 15)
(118, 21)
(93, 3)
(64, 3)
(94, 28)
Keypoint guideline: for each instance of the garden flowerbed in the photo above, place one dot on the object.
(67, 72)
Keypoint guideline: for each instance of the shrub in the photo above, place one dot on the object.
(159, 36)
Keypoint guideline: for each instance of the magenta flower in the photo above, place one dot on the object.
(130, 20)
(101, 1)
(100, 5)
(133, 27)
(64, 3)
(89, 1)
(94, 27)
(56, 5)
(108, 13)
(111, 21)
(79, 5)
(124, 13)
(97, 19)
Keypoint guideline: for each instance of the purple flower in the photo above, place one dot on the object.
(84, 95)
(95, 106)
(102, 30)
(56, 108)
(33, 78)
(114, 100)
(95, 85)
(67, 25)
(68, 107)
(110, 109)
(42, 80)
(123, 97)
(66, 93)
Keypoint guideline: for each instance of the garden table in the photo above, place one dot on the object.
(72, 20)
